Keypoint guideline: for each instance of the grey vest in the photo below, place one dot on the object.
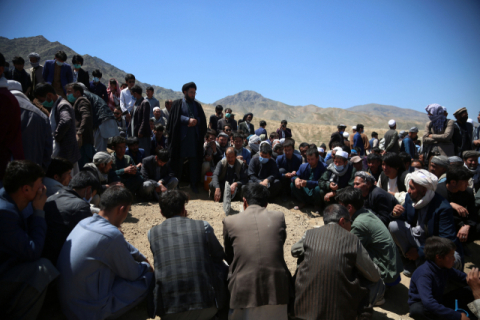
(237, 167)
(389, 135)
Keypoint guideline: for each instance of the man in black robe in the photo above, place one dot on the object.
(187, 126)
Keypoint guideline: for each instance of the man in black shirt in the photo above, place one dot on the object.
(374, 162)
(264, 170)
(455, 190)
(231, 170)
(215, 117)
(227, 120)
(466, 132)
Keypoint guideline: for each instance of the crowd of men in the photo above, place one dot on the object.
(76, 154)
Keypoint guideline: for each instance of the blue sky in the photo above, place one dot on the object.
(407, 53)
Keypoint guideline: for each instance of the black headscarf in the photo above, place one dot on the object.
(246, 115)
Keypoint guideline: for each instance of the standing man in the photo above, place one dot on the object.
(214, 118)
(97, 87)
(476, 135)
(166, 111)
(391, 138)
(62, 120)
(408, 144)
(466, 131)
(259, 279)
(140, 124)
(154, 103)
(228, 120)
(262, 129)
(83, 122)
(337, 136)
(186, 129)
(35, 72)
(246, 126)
(126, 99)
(283, 131)
(358, 141)
(80, 75)
(19, 74)
(374, 141)
(58, 73)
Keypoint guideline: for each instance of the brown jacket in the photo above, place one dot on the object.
(443, 140)
(258, 274)
(84, 120)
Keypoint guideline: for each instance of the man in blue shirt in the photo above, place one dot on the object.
(262, 130)
(408, 144)
(97, 87)
(288, 164)
(358, 141)
(153, 101)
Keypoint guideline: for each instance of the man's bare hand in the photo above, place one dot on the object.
(333, 186)
(130, 169)
(264, 183)
(139, 165)
(233, 187)
(462, 234)
(218, 195)
(40, 198)
(473, 281)
(412, 254)
(192, 122)
(328, 196)
(162, 187)
(398, 210)
(462, 211)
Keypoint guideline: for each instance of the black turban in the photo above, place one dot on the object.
(189, 85)
(246, 115)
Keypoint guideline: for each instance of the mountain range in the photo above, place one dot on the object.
(371, 115)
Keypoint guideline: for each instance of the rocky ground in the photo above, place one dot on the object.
(146, 215)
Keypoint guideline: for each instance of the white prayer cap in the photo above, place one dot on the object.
(469, 120)
(354, 127)
(346, 134)
(321, 150)
(156, 108)
(102, 157)
(337, 149)
(264, 142)
(392, 123)
(282, 141)
(14, 85)
(342, 154)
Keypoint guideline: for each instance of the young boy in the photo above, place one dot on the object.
(425, 297)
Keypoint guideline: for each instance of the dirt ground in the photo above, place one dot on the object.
(146, 215)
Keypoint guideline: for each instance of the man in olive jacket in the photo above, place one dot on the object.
(259, 279)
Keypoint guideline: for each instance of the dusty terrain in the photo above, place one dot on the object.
(146, 215)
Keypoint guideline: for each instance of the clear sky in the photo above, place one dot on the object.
(407, 53)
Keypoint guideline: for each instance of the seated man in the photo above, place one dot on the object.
(288, 165)
(333, 265)
(392, 178)
(259, 279)
(124, 167)
(462, 200)
(470, 159)
(407, 161)
(159, 117)
(120, 120)
(134, 151)
(338, 175)
(424, 214)
(232, 170)
(210, 154)
(304, 185)
(158, 175)
(379, 201)
(24, 275)
(242, 153)
(222, 144)
(58, 175)
(65, 209)
(425, 296)
(374, 162)
(277, 150)
(264, 170)
(375, 238)
(159, 141)
(439, 166)
(302, 148)
(357, 163)
(101, 274)
(192, 290)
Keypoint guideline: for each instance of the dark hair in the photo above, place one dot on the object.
(350, 196)
(137, 89)
(417, 160)
(210, 132)
(77, 59)
(118, 140)
(458, 173)
(289, 143)
(123, 84)
(377, 149)
(256, 194)
(42, 89)
(313, 151)
(394, 161)
(129, 76)
(337, 144)
(227, 125)
(149, 88)
(132, 140)
(274, 135)
(218, 108)
(85, 179)
(284, 122)
(266, 148)
(115, 196)
(303, 145)
(172, 202)
(21, 173)
(360, 126)
(58, 166)
(438, 246)
(97, 73)
(162, 155)
(18, 60)
(278, 146)
(75, 87)
(406, 158)
(263, 123)
(374, 134)
(238, 135)
(159, 127)
(61, 55)
(373, 156)
(2, 60)
(228, 110)
(334, 212)
(113, 81)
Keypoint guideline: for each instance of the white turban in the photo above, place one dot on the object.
(342, 154)
(338, 149)
(34, 55)
(14, 85)
(346, 134)
(102, 157)
(425, 179)
(282, 141)
(156, 108)
(392, 123)
(253, 143)
(321, 150)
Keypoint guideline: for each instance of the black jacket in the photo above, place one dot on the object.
(83, 77)
(63, 211)
(149, 170)
(381, 203)
(336, 137)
